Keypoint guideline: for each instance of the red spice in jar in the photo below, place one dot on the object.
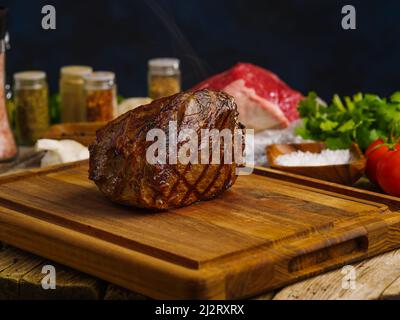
(100, 105)
(100, 92)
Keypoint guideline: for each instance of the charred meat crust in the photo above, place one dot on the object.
(118, 162)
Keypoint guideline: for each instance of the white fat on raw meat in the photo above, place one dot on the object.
(255, 112)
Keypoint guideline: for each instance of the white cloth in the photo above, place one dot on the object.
(61, 151)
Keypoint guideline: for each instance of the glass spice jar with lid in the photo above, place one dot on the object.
(101, 96)
(72, 98)
(31, 106)
(164, 77)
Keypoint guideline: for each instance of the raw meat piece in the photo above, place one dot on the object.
(118, 163)
(264, 101)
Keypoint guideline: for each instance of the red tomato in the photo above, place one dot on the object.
(374, 153)
(388, 172)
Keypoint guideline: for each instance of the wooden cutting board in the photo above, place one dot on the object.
(261, 234)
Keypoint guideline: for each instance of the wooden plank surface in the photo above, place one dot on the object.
(117, 293)
(70, 284)
(21, 276)
(11, 276)
(377, 278)
(217, 249)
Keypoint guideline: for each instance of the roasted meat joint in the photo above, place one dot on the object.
(170, 153)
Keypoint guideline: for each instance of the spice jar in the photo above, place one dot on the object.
(72, 98)
(101, 96)
(31, 106)
(164, 77)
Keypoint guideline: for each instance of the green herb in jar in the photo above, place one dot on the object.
(31, 106)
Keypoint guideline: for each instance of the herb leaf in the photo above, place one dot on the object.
(361, 119)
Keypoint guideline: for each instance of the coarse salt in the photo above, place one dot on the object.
(308, 159)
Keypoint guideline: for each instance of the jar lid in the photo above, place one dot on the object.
(100, 76)
(164, 66)
(30, 75)
(76, 71)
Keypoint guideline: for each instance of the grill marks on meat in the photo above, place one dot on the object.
(118, 162)
(264, 101)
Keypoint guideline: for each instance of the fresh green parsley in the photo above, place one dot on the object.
(362, 118)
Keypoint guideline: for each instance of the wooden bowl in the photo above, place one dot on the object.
(82, 132)
(344, 173)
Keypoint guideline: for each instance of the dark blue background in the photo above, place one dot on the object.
(302, 41)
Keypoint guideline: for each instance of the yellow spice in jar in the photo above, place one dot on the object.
(164, 77)
(161, 86)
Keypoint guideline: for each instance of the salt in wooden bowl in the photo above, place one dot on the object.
(348, 173)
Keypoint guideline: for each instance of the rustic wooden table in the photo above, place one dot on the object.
(21, 273)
